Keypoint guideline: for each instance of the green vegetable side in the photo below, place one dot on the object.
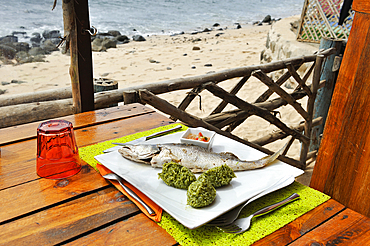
(177, 176)
(219, 176)
(201, 192)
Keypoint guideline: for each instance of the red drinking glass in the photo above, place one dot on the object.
(57, 152)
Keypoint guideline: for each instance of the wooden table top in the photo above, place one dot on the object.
(87, 210)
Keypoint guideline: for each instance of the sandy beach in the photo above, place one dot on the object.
(162, 58)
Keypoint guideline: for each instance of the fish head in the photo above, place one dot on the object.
(142, 153)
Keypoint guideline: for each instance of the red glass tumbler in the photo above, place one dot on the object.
(57, 152)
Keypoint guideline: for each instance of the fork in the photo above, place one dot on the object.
(229, 217)
(241, 225)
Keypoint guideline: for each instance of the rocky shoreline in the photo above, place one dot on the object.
(39, 45)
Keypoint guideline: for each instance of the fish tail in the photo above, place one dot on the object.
(269, 159)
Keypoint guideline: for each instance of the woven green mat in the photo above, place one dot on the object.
(210, 235)
(260, 227)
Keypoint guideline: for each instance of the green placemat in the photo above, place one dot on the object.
(260, 227)
(210, 235)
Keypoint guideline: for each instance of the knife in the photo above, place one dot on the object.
(142, 139)
(114, 176)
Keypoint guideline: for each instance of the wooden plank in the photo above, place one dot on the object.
(342, 168)
(42, 211)
(18, 161)
(276, 135)
(346, 228)
(302, 225)
(37, 194)
(361, 6)
(24, 113)
(138, 230)
(335, 118)
(68, 220)
(28, 131)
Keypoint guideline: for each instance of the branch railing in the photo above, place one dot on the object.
(41, 106)
(262, 108)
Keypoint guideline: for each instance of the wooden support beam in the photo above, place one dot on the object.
(324, 95)
(78, 40)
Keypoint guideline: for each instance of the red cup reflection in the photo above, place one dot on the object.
(57, 152)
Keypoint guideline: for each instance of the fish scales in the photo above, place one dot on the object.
(196, 158)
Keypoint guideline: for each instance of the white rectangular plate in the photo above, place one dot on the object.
(173, 201)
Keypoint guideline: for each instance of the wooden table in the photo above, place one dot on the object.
(86, 210)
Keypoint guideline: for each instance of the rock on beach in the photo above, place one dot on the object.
(43, 44)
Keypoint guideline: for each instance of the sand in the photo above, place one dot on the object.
(168, 57)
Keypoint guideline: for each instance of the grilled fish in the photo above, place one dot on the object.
(196, 158)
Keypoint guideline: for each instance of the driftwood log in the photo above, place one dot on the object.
(39, 96)
(103, 99)
(31, 112)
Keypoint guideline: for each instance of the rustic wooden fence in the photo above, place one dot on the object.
(224, 122)
(43, 105)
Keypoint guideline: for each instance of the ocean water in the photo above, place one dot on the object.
(145, 16)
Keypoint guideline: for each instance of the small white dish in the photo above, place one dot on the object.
(195, 131)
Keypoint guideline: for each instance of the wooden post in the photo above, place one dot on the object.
(342, 169)
(310, 106)
(324, 94)
(78, 40)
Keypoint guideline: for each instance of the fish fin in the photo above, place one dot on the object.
(228, 154)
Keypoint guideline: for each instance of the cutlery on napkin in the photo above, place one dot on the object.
(113, 176)
(158, 210)
(142, 139)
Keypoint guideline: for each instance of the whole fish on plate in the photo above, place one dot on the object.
(196, 158)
